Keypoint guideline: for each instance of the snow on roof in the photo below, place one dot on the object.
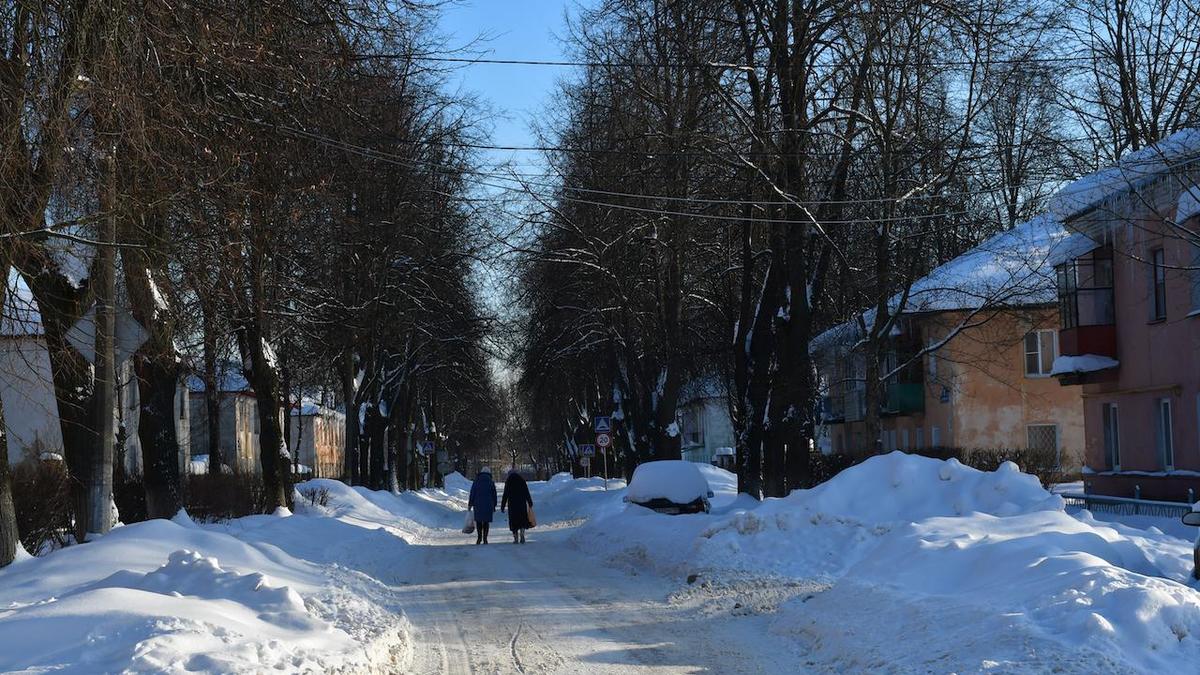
(1016, 267)
(1189, 204)
(229, 379)
(1084, 363)
(21, 316)
(1013, 268)
(1072, 247)
(1134, 170)
(309, 406)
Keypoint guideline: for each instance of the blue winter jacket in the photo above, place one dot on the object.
(483, 497)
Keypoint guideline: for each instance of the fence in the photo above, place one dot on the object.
(1127, 506)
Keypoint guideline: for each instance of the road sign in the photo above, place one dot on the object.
(425, 447)
(587, 450)
(585, 462)
(130, 335)
(602, 425)
(445, 467)
(603, 440)
(443, 455)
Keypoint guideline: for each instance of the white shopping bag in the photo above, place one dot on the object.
(469, 526)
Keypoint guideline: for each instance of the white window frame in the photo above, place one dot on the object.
(1111, 419)
(935, 437)
(921, 436)
(904, 439)
(1164, 432)
(1045, 362)
(932, 365)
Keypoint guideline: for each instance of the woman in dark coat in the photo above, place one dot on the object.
(518, 501)
(483, 503)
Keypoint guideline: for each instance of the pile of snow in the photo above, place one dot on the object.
(674, 480)
(455, 481)
(980, 567)
(171, 596)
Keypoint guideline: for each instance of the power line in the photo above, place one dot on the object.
(723, 65)
(389, 158)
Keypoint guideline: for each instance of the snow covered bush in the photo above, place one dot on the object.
(315, 495)
(42, 495)
(210, 498)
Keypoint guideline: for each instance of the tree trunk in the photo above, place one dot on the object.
(273, 454)
(376, 425)
(212, 393)
(9, 537)
(157, 385)
(350, 470)
(157, 372)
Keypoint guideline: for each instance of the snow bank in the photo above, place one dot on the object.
(168, 596)
(675, 480)
(901, 538)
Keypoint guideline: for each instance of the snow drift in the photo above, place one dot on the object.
(915, 539)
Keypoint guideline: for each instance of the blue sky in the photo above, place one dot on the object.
(511, 29)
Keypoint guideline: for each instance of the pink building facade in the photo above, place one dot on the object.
(1129, 312)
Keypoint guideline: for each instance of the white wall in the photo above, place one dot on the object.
(30, 410)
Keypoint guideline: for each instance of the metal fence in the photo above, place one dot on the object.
(1126, 506)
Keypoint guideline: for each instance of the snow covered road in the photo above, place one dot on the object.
(942, 569)
(545, 607)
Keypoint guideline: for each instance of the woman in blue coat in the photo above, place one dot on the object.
(483, 503)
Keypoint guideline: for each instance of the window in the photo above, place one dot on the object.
(1158, 280)
(1165, 435)
(1042, 437)
(1112, 437)
(904, 439)
(935, 437)
(1040, 350)
(1195, 277)
(920, 438)
(933, 363)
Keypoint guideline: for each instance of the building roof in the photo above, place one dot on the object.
(1133, 171)
(1011, 269)
(230, 378)
(1015, 268)
(309, 407)
(20, 315)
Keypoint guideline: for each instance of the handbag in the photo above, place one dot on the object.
(532, 517)
(469, 526)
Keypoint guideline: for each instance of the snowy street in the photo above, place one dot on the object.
(547, 608)
(944, 569)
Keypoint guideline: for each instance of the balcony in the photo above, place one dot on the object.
(1100, 340)
(1088, 318)
(904, 398)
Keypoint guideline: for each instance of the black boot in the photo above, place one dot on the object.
(478, 533)
(486, 527)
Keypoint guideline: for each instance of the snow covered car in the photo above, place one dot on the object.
(1193, 518)
(669, 486)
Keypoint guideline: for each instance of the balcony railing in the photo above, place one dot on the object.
(1099, 340)
(1085, 304)
(904, 398)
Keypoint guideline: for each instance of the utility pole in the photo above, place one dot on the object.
(100, 481)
